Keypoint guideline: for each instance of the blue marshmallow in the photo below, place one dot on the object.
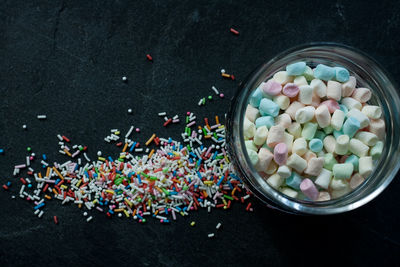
(343, 108)
(341, 74)
(256, 97)
(315, 145)
(351, 126)
(319, 135)
(336, 134)
(296, 69)
(324, 72)
(353, 159)
(294, 181)
(267, 121)
(268, 107)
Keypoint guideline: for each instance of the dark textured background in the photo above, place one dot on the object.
(66, 59)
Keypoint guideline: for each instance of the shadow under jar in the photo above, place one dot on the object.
(369, 74)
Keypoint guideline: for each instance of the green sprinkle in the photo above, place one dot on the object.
(185, 187)
(144, 220)
(145, 175)
(153, 178)
(209, 97)
(28, 149)
(165, 170)
(228, 197)
(204, 131)
(215, 135)
(189, 131)
(188, 148)
(187, 119)
(165, 191)
(204, 100)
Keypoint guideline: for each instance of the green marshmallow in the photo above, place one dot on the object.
(309, 130)
(328, 130)
(253, 156)
(329, 161)
(343, 170)
(250, 145)
(353, 159)
(376, 150)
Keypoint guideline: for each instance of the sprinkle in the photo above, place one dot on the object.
(193, 223)
(124, 79)
(221, 95)
(234, 31)
(24, 126)
(55, 219)
(167, 122)
(41, 117)
(89, 219)
(150, 58)
(218, 226)
(150, 139)
(215, 90)
(130, 111)
(211, 235)
(161, 114)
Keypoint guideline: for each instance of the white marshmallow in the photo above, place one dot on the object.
(292, 109)
(315, 101)
(323, 196)
(249, 128)
(252, 113)
(367, 138)
(288, 140)
(282, 77)
(282, 101)
(334, 90)
(264, 159)
(309, 155)
(284, 120)
(250, 145)
(378, 128)
(362, 95)
(284, 171)
(314, 166)
(253, 157)
(361, 117)
(351, 103)
(319, 87)
(349, 86)
(305, 114)
(296, 162)
(275, 181)
(329, 143)
(299, 146)
(300, 80)
(261, 135)
(372, 112)
(275, 135)
(342, 144)
(272, 168)
(337, 119)
(356, 180)
(295, 129)
(324, 178)
(323, 116)
(358, 148)
(338, 184)
(365, 166)
(289, 192)
(305, 94)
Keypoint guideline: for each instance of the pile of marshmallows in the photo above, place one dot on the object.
(310, 132)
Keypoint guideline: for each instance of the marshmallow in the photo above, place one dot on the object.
(309, 155)
(296, 69)
(297, 163)
(284, 120)
(315, 101)
(252, 113)
(342, 170)
(361, 117)
(289, 192)
(249, 129)
(356, 180)
(282, 77)
(351, 103)
(358, 148)
(275, 181)
(256, 97)
(378, 128)
(308, 188)
(300, 80)
(337, 119)
(328, 130)
(324, 178)
(376, 150)
(264, 159)
(343, 108)
(329, 161)
(341, 74)
(299, 146)
(293, 108)
(332, 105)
(275, 135)
(372, 112)
(353, 159)
(323, 116)
(315, 145)
(365, 166)
(282, 101)
(314, 166)
(338, 184)
(362, 94)
(342, 145)
(305, 114)
(320, 135)
(288, 140)
(252, 156)
(323, 196)
(268, 107)
(294, 181)
(351, 126)
(295, 129)
(267, 121)
(308, 74)
(290, 90)
(309, 130)
(280, 154)
(260, 136)
(330, 143)
(319, 87)
(284, 171)
(250, 145)
(306, 93)
(271, 88)
(271, 168)
(324, 72)
(349, 86)
(367, 138)
(334, 90)
(342, 192)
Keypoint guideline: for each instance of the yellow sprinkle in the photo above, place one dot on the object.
(226, 159)
(118, 210)
(150, 139)
(67, 152)
(183, 214)
(64, 187)
(78, 183)
(192, 223)
(95, 201)
(127, 201)
(126, 213)
(208, 182)
(223, 200)
(117, 132)
(101, 158)
(151, 153)
(110, 191)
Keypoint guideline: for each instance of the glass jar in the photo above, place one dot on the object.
(368, 74)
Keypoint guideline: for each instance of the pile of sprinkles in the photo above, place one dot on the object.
(162, 179)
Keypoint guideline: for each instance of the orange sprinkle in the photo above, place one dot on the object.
(226, 75)
(151, 139)
(67, 152)
(205, 194)
(48, 171)
(47, 196)
(55, 191)
(216, 120)
(58, 173)
(233, 191)
(125, 147)
(151, 153)
(40, 175)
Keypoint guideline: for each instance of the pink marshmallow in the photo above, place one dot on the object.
(332, 105)
(308, 188)
(290, 90)
(280, 154)
(271, 88)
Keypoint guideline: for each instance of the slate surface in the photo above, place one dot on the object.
(66, 59)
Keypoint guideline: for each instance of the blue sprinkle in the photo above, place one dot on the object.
(220, 180)
(29, 185)
(44, 156)
(110, 211)
(39, 206)
(110, 159)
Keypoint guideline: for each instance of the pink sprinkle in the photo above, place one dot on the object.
(221, 95)
(140, 220)
(30, 158)
(137, 130)
(188, 113)
(161, 221)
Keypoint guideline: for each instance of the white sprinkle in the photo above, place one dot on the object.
(89, 219)
(222, 70)
(130, 111)
(99, 153)
(215, 90)
(24, 127)
(218, 226)
(41, 117)
(162, 114)
(124, 78)
(211, 235)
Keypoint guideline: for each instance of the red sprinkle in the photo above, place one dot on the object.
(65, 138)
(248, 206)
(150, 58)
(167, 122)
(234, 31)
(5, 187)
(55, 219)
